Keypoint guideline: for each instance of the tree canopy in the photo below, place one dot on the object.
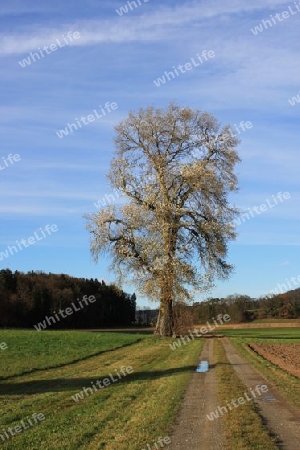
(175, 167)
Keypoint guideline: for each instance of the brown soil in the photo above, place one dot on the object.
(285, 356)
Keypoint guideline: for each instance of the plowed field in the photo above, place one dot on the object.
(285, 356)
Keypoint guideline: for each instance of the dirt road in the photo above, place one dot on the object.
(193, 431)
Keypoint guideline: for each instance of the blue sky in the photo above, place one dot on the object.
(116, 59)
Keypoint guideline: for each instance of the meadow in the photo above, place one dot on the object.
(55, 373)
(29, 351)
(43, 372)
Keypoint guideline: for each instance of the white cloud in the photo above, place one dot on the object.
(63, 194)
(39, 210)
(163, 24)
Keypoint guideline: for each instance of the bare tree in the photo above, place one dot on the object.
(176, 168)
(183, 318)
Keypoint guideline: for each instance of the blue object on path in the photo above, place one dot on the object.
(203, 367)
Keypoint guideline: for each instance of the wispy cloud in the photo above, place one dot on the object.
(39, 210)
(162, 24)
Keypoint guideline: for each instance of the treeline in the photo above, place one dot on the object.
(242, 308)
(27, 299)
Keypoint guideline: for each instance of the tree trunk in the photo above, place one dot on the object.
(164, 324)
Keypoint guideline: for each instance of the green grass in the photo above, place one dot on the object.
(269, 334)
(243, 426)
(29, 351)
(287, 384)
(128, 414)
(276, 321)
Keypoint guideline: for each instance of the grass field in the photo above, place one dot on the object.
(127, 414)
(28, 351)
(270, 334)
(54, 374)
(287, 384)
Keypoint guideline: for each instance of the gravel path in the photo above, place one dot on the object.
(192, 430)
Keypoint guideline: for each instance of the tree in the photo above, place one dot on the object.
(176, 169)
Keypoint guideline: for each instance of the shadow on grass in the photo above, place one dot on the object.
(70, 384)
(69, 363)
(143, 331)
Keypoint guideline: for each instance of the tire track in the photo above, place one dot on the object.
(192, 430)
(281, 418)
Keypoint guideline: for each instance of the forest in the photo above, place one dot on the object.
(28, 298)
(242, 308)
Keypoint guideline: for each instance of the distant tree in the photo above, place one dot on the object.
(176, 168)
(238, 305)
